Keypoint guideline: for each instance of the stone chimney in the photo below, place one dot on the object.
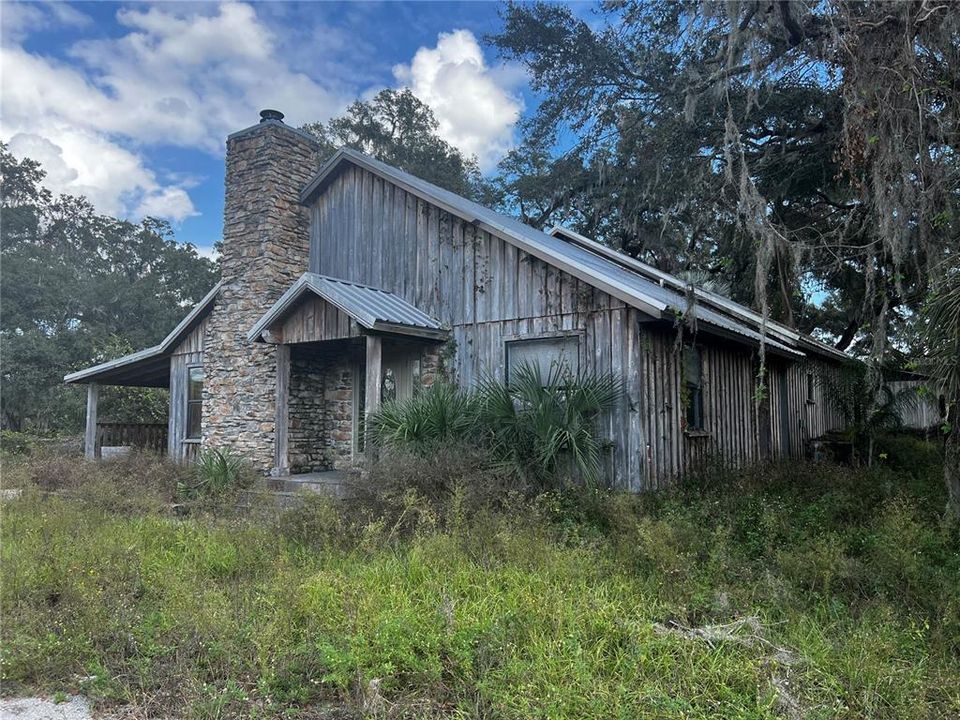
(266, 245)
(265, 229)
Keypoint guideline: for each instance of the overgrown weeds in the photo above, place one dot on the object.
(450, 594)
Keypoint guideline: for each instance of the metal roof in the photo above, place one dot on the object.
(599, 269)
(148, 367)
(708, 297)
(373, 308)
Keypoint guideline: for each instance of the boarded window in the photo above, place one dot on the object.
(693, 380)
(548, 354)
(194, 402)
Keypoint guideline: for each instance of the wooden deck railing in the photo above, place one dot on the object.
(147, 436)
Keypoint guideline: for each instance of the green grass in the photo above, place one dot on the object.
(555, 610)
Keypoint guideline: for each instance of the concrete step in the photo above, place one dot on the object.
(331, 482)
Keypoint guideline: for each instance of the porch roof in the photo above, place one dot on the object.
(149, 367)
(372, 308)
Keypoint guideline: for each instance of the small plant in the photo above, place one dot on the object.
(16, 443)
(438, 415)
(215, 473)
(868, 410)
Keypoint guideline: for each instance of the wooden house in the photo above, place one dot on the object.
(346, 284)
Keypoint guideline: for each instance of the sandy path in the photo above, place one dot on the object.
(33, 708)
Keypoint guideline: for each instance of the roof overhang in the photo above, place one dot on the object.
(149, 367)
(774, 334)
(373, 309)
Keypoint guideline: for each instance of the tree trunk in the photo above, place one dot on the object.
(951, 467)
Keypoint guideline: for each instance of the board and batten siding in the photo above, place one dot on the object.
(188, 354)
(796, 419)
(316, 320)
(365, 229)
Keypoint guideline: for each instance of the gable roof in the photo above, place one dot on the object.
(708, 297)
(372, 308)
(149, 367)
(658, 298)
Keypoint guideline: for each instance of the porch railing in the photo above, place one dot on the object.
(146, 436)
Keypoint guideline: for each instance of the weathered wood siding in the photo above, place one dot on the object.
(922, 411)
(317, 320)
(730, 430)
(796, 419)
(488, 292)
(188, 354)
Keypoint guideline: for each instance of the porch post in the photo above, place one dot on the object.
(90, 432)
(281, 457)
(374, 371)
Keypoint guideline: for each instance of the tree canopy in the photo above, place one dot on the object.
(399, 129)
(804, 151)
(77, 288)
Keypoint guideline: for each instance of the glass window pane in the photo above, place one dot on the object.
(695, 408)
(388, 386)
(194, 410)
(692, 365)
(195, 384)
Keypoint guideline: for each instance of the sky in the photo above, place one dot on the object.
(130, 104)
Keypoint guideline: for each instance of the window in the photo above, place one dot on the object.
(810, 385)
(547, 354)
(194, 402)
(693, 385)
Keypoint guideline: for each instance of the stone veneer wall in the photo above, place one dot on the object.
(307, 410)
(338, 420)
(321, 408)
(322, 386)
(265, 249)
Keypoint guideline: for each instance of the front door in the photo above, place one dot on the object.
(401, 369)
(399, 375)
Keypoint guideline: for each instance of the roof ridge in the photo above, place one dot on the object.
(608, 274)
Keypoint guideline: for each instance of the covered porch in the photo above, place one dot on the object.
(146, 372)
(175, 364)
(342, 349)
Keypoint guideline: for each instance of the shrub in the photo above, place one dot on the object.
(216, 473)
(535, 427)
(435, 416)
(406, 489)
(546, 427)
(16, 443)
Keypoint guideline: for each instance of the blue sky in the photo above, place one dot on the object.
(129, 104)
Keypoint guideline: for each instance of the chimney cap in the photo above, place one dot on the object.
(271, 115)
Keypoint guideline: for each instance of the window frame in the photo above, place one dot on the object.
(188, 402)
(574, 335)
(811, 396)
(694, 420)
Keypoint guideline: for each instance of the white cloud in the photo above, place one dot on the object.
(18, 19)
(114, 179)
(474, 104)
(181, 75)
